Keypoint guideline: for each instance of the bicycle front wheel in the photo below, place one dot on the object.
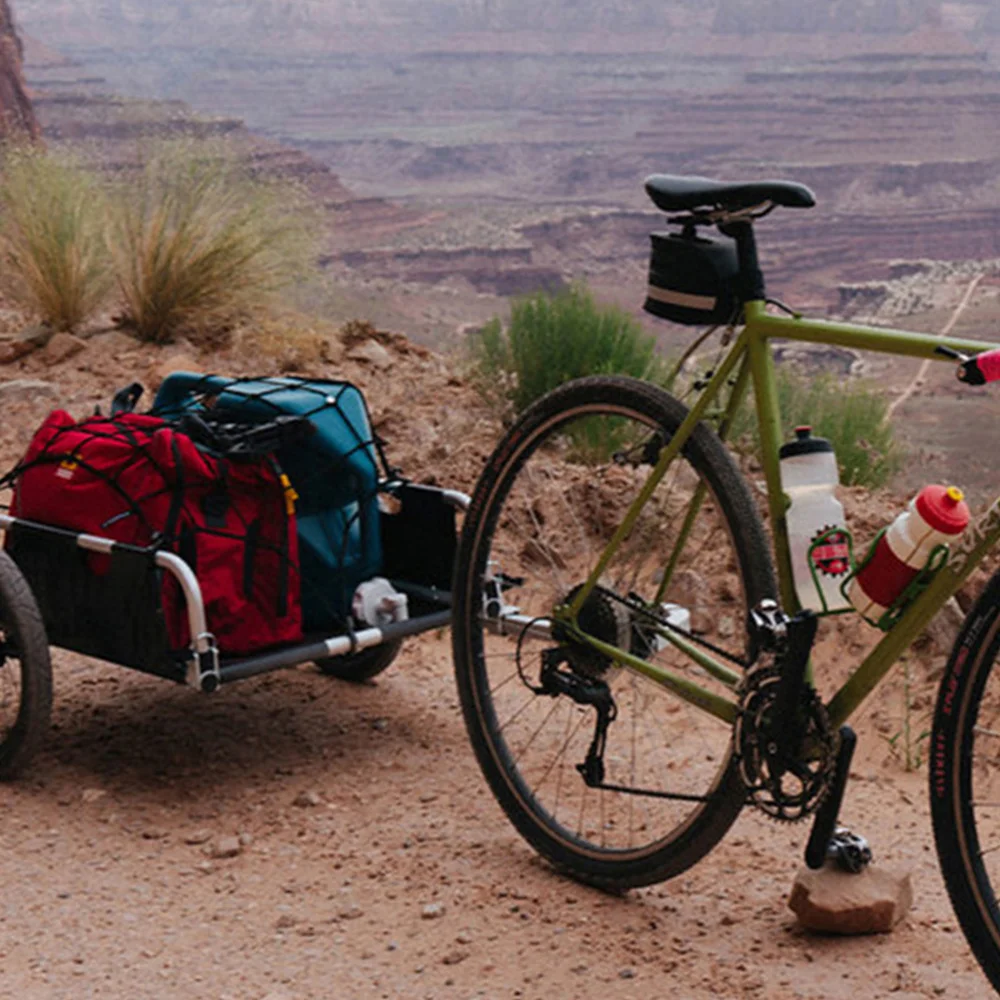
(550, 498)
(965, 779)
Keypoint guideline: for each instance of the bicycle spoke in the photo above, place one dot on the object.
(541, 725)
(635, 719)
(529, 701)
(545, 528)
(569, 736)
(511, 676)
(604, 824)
(583, 806)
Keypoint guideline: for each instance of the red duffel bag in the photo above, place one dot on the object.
(136, 479)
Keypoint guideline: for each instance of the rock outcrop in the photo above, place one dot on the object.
(16, 114)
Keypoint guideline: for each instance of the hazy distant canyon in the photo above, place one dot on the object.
(511, 138)
(88, 18)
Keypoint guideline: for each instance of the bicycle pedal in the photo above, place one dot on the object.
(851, 852)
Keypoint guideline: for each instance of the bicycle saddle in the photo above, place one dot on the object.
(673, 194)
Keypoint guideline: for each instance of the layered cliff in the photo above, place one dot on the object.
(834, 17)
(16, 113)
(406, 21)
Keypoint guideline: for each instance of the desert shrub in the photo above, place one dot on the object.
(286, 340)
(851, 415)
(552, 338)
(52, 236)
(199, 241)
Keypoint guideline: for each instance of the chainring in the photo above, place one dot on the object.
(785, 788)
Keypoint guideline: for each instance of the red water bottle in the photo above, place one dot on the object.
(936, 516)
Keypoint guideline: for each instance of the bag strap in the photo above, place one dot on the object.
(126, 398)
(238, 439)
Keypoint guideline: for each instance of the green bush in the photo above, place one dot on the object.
(851, 415)
(53, 237)
(199, 241)
(552, 338)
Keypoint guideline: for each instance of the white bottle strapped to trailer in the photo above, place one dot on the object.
(376, 602)
(809, 478)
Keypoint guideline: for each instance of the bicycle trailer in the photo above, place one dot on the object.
(242, 525)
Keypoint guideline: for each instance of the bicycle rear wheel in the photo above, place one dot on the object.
(549, 500)
(965, 779)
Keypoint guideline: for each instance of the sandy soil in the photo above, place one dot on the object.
(107, 897)
(371, 860)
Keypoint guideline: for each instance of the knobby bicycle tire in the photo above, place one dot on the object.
(964, 777)
(543, 439)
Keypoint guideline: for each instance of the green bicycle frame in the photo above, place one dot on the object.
(750, 358)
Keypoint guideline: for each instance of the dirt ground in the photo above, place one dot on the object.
(369, 859)
(109, 892)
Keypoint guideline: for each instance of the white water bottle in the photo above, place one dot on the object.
(935, 517)
(809, 479)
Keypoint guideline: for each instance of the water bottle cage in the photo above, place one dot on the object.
(913, 590)
(822, 540)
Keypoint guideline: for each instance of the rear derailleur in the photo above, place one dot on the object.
(584, 691)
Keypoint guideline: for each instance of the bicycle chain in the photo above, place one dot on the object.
(637, 606)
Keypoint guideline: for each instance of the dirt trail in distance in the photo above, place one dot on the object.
(921, 375)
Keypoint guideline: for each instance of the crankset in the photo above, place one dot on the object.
(783, 740)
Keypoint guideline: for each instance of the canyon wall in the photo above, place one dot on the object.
(16, 113)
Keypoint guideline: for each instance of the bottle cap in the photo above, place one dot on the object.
(943, 508)
(804, 443)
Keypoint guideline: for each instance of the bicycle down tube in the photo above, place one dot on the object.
(751, 352)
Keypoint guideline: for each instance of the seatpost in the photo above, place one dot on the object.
(750, 283)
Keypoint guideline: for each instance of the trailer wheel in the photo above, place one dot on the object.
(25, 671)
(363, 666)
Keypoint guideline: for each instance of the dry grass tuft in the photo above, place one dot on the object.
(552, 338)
(199, 242)
(53, 237)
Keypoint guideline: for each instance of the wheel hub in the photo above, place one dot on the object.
(605, 619)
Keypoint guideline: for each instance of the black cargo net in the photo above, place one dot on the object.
(237, 421)
(225, 403)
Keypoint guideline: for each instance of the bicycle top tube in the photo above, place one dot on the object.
(882, 340)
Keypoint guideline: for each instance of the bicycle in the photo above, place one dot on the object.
(634, 667)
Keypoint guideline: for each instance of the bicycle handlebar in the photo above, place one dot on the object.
(976, 370)
(981, 369)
